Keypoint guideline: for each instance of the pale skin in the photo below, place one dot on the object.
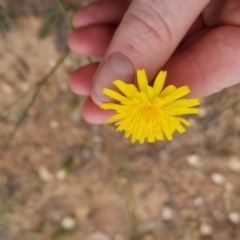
(197, 42)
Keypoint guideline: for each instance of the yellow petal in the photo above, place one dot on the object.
(150, 93)
(167, 91)
(114, 95)
(185, 103)
(112, 106)
(179, 92)
(132, 88)
(143, 97)
(116, 117)
(159, 82)
(179, 128)
(182, 111)
(142, 80)
(123, 87)
(184, 121)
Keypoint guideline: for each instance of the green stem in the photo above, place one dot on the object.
(62, 9)
(37, 89)
(37, 85)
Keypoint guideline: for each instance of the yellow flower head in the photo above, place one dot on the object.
(149, 113)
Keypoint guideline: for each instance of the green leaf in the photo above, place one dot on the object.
(68, 164)
(50, 20)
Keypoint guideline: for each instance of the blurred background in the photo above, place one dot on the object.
(62, 178)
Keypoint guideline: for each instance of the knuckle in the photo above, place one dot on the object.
(148, 28)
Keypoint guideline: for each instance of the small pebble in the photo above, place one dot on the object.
(6, 88)
(44, 174)
(61, 174)
(218, 215)
(75, 115)
(119, 237)
(98, 236)
(52, 62)
(198, 202)
(202, 112)
(54, 124)
(82, 212)
(234, 164)
(234, 217)
(229, 187)
(194, 160)
(218, 178)
(46, 150)
(68, 62)
(167, 214)
(24, 86)
(124, 181)
(148, 237)
(86, 153)
(237, 120)
(68, 223)
(64, 87)
(206, 230)
(97, 139)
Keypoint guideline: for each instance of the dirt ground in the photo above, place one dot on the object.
(61, 178)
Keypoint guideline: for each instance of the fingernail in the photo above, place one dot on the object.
(117, 66)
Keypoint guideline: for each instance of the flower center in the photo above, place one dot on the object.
(148, 113)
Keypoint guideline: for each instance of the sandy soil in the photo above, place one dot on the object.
(62, 178)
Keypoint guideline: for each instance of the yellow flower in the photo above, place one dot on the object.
(150, 112)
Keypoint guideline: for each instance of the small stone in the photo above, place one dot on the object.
(24, 86)
(75, 131)
(68, 62)
(193, 122)
(237, 120)
(218, 215)
(68, 223)
(148, 237)
(124, 181)
(234, 217)
(110, 218)
(6, 88)
(61, 174)
(86, 153)
(206, 230)
(198, 202)
(119, 237)
(44, 174)
(194, 160)
(52, 62)
(97, 139)
(202, 112)
(98, 236)
(46, 150)
(82, 212)
(167, 214)
(75, 115)
(54, 124)
(64, 87)
(234, 164)
(218, 178)
(229, 187)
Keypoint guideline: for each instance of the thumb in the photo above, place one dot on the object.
(148, 34)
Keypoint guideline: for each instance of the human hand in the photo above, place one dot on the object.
(197, 42)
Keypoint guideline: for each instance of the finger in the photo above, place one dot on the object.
(94, 114)
(208, 65)
(101, 12)
(147, 36)
(81, 79)
(92, 40)
(196, 26)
